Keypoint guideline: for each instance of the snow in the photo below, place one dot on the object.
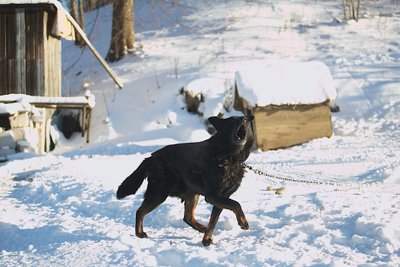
(14, 104)
(285, 82)
(60, 209)
(26, 100)
(13, 108)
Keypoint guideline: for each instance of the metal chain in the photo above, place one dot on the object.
(262, 173)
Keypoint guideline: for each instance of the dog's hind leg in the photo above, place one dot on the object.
(153, 197)
(189, 218)
(207, 239)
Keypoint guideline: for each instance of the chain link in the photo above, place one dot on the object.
(262, 173)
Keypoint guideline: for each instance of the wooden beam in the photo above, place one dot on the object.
(91, 47)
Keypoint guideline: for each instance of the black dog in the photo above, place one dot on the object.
(212, 168)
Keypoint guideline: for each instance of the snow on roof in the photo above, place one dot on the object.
(88, 99)
(13, 108)
(285, 82)
(28, 2)
(61, 27)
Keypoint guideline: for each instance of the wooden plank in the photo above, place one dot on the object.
(29, 54)
(9, 52)
(3, 82)
(12, 76)
(285, 126)
(48, 76)
(3, 77)
(34, 56)
(40, 59)
(94, 51)
(28, 79)
(39, 77)
(52, 57)
(20, 50)
(10, 35)
(3, 28)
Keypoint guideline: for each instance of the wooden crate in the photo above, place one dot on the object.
(288, 125)
(290, 101)
(281, 126)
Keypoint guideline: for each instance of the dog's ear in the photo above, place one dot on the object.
(216, 122)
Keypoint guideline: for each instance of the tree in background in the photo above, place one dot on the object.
(90, 5)
(78, 14)
(351, 9)
(122, 34)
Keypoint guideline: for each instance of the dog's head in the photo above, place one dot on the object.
(234, 133)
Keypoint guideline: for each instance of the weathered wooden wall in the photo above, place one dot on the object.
(30, 58)
(289, 125)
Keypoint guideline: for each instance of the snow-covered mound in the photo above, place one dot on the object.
(282, 82)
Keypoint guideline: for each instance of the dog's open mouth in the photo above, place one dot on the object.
(241, 133)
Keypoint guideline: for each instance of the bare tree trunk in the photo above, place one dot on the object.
(122, 35)
(90, 5)
(79, 17)
(358, 10)
(344, 8)
(74, 12)
(81, 21)
(351, 9)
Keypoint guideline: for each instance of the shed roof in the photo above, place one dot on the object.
(281, 82)
(63, 26)
(27, 1)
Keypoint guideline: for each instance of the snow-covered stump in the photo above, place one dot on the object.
(208, 97)
(290, 101)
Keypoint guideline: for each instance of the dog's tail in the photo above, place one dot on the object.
(132, 183)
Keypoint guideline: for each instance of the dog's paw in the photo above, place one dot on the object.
(244, 224)
(207, 241)
(142, 235)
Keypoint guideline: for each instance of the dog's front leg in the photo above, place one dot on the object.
(207, 239)
(227, 203)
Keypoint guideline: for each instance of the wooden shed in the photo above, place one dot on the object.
(30, 55)
(289, 100)
(30, 46)
(30, 66)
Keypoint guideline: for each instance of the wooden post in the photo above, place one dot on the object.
(47, 123)
(41, 126)
(88, 128)
(83, 120)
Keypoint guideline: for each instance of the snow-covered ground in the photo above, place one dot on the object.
(60, 209)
